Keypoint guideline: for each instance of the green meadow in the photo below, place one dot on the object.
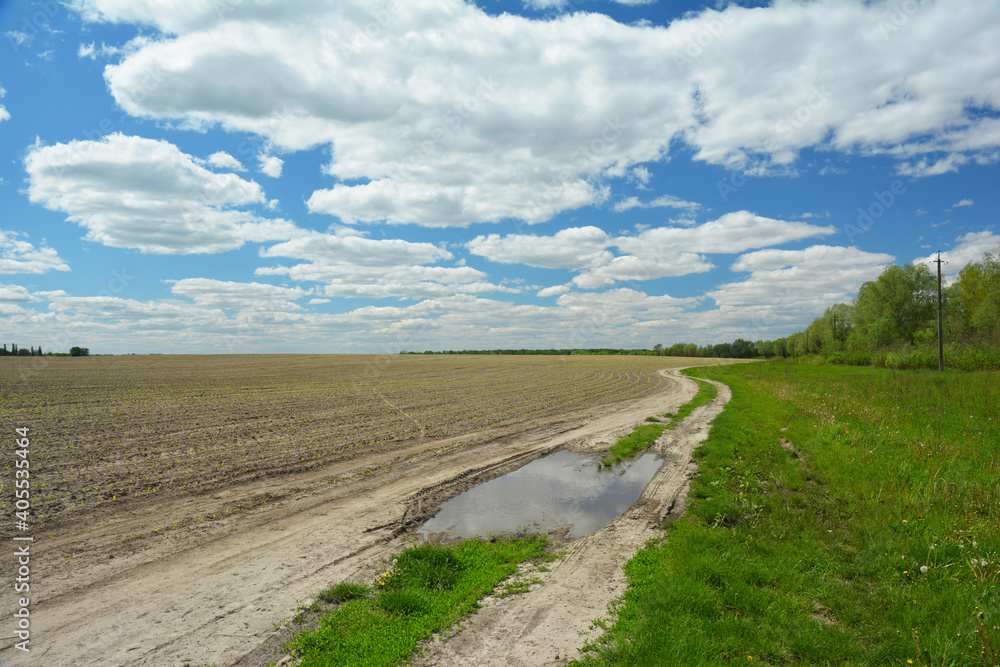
(840, 515)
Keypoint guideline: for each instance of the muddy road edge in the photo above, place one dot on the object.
(551, 622)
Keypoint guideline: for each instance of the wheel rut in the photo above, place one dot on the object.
(551, 622)
(116, 592)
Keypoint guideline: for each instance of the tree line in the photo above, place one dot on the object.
(550, 351)
(16, 351)
(738, 349)
(893, 321)
(32, 351)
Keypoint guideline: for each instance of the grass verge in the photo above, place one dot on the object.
(428, 587)
(840, 516)
(646, 434)
(706, 394)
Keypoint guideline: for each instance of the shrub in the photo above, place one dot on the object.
(858, 358)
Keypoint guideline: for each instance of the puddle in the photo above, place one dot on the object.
(561, 489)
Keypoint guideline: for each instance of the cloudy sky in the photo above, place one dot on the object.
(370, 176)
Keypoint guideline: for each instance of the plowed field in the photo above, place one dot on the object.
(120, 429)
(182, 505)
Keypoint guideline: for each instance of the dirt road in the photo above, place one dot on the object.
(211, 592)
(551, 622)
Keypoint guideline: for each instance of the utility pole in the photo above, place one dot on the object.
(940, 327)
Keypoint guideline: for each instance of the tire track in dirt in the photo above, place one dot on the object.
(211, 592)
(420, 427)
(552, 621)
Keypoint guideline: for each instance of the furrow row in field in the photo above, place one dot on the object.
(121, 429)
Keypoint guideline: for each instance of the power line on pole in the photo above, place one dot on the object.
(940, 327)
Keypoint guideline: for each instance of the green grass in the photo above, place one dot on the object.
(629, 445)
(429, 587)
(345, 591)
(871, 538)
(706, 394)
(518, 587)
(646, 434)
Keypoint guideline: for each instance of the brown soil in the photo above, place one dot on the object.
(209, 586)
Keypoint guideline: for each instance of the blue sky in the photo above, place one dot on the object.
(250, 176)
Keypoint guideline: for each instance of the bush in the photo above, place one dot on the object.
(858, 358)
(972, 358)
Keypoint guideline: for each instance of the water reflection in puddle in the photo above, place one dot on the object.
(561, 489)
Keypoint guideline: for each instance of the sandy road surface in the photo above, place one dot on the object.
(548, 624)
(211, 592)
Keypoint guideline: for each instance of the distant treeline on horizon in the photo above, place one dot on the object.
(738, 349)
(32, 351)
(16, 351)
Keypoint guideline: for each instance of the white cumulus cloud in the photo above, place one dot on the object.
(665, 201)
(132, 192)
(15, 294)
(653, 253)
(351, 265)
(238, 296)
(970, 248)
(807, 280)
(555, 290)
(440, 114)
(356, 250)
(633, 267)
(730, 233)
(572, 248)
(224, 160)
(271, 166)
(18, 256)
(575, 4)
